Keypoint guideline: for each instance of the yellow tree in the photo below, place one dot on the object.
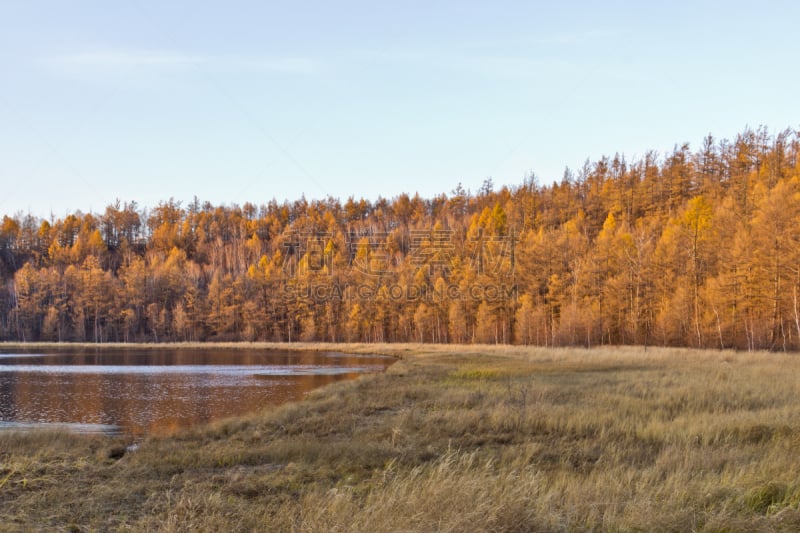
(96, 292)
(267, 276)
(134, 295)
(28, 299)
(696, 224)
(681, 261)
(776, 239)
(727, 308)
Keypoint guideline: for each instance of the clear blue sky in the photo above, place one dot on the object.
(247, 100)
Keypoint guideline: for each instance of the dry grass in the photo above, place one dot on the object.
(475, 438)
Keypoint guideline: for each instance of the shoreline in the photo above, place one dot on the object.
(400, 349)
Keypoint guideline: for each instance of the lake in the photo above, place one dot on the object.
(145, 391)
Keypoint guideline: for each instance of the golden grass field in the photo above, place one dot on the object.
(452, 438)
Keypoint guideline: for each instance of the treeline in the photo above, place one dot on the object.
(693, 248)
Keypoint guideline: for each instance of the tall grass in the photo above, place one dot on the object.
(454, 439)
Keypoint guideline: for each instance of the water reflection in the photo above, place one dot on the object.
(158, 391)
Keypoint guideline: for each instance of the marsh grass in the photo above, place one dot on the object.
(473, 438)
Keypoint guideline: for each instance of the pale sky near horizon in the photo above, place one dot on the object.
(241, 101)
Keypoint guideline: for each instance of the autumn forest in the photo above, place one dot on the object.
(697, 247)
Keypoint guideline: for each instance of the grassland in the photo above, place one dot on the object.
(471, 438)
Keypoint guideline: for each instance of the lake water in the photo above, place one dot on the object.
(159, 390)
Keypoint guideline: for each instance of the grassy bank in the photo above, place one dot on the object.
(453, 439)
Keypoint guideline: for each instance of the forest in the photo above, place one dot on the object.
(697, 247)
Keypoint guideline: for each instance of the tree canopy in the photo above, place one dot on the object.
(687, 249)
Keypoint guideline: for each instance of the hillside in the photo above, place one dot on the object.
(692, 248)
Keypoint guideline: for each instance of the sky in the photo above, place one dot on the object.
(246, 101)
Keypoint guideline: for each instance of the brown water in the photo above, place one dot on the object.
(158, 391)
